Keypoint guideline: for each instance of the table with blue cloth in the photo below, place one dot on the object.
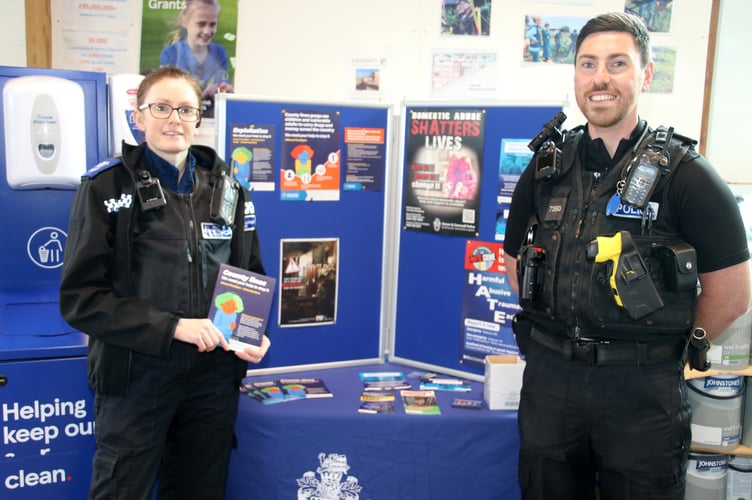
(325, 449)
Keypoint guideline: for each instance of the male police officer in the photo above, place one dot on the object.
(610, 227)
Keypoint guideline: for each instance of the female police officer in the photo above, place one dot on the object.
(142, 255)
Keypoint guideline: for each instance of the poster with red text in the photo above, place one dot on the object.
(488, 304)
(442, 173)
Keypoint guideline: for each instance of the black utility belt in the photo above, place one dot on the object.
(612, 353)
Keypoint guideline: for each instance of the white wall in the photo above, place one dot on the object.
(730, 116)
(13, 34)
(303, 49)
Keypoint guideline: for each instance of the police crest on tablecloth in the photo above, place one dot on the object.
(329, 484)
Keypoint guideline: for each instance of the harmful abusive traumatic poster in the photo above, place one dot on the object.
(488, 304)
(442, 175)
(310, 163)
(308, 289)
(252, 155)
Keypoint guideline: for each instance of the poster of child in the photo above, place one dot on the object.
(192, 44)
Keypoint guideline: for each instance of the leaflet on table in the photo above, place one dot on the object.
(445, 384)
(377, 402)
(309, 387)
(420, 402)
(422, 375)
(384, 381)
(269, 392)
(240, 305)
(381, 376)
(286, 389)
(469, 404)
(386, 385)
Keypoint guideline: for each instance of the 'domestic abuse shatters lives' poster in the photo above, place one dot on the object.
(444, 154)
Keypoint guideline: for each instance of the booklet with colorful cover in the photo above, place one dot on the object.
(240, 305)
(420, 402)
(377, 402)
(270, 392)
(308, 387)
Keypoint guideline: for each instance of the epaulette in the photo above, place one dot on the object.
(682, 139)
(688, 141)
(102, 166)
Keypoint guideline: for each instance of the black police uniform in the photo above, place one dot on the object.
(603, 389)
(129, 275)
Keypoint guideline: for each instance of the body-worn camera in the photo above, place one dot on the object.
(547, 161)
(547, 154)
(531, 267)
(150, 192)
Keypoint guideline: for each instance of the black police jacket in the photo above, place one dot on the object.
(129, 275)
(575, 209)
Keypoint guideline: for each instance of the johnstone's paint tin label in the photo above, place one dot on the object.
(716, 411)
(723, 386)
(706, 476)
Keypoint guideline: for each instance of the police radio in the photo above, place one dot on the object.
(643, 174)
(224, 200)
(150, 192)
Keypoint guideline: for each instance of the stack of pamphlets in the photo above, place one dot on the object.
(376, 402)
(384, 381)
(420, 402)
(287, 389)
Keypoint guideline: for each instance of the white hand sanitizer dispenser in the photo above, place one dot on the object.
(45, 132)
(122, 96)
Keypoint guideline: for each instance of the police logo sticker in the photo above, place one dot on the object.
(113, 205)
(330, 481)
(482, 258)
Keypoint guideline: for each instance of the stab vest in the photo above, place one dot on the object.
(571, 211)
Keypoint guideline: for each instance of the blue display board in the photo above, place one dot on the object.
(313, 226)
(453, 193)
(37, 219)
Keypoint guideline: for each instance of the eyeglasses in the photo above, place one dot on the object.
(162, 110)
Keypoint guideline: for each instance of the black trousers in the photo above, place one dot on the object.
(625, 428)
(176, 423)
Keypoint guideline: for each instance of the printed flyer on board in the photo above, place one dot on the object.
(310, 161)
(488, 304)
